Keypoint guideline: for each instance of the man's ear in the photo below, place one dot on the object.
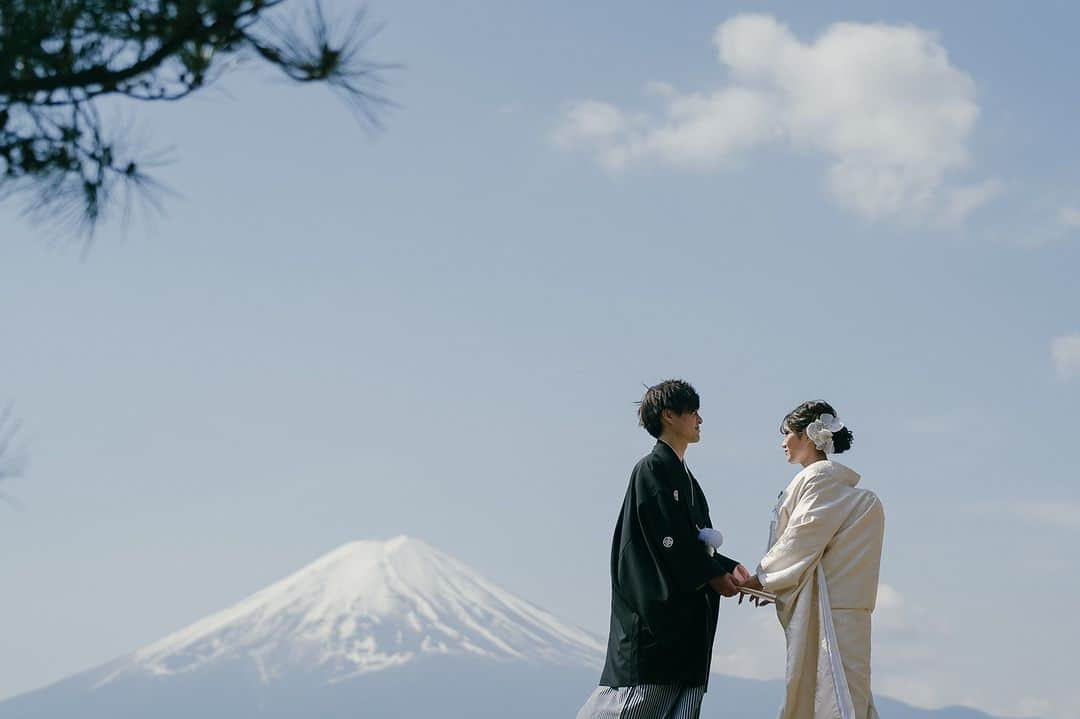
(666, 416)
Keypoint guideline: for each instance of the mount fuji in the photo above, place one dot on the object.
(367, 607)
(373, 629)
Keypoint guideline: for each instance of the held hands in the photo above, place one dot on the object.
(727, 585)
(751, 582)
(724, 585)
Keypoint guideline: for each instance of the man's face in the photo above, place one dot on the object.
(686, 427)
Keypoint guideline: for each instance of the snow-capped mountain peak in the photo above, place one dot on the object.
(364, 607)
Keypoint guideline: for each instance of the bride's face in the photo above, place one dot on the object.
(797, 446)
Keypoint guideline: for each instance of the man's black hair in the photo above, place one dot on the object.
(673, 394)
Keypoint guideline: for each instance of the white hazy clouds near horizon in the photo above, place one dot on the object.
(882, 103)
(753, 648)
(1063, 515)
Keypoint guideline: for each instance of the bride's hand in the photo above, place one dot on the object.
(742, 574)
(751, 582)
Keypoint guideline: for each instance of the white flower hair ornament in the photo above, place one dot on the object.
(821, 431)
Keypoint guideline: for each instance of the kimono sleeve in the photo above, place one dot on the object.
(814, 521)
(673, 539)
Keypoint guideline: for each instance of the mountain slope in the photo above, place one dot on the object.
(365, 607)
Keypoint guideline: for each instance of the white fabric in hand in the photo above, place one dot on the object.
(711, 537)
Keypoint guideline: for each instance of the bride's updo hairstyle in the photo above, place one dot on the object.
(798, 419)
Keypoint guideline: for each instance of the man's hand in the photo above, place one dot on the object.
(741, 574)
(724, 585)
(752, 582)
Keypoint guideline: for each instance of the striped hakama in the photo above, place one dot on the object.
(644, 701)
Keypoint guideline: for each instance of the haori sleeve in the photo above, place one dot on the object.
(726, 564)
(673, 539)
(817, 515)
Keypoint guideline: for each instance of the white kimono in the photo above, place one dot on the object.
(823, 565)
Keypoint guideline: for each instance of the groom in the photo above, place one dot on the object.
(664, 580)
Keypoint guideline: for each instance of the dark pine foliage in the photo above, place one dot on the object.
(60, 58)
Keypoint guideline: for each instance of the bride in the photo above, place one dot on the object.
(822, 565)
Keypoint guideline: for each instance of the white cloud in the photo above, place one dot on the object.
(1065, 351)
(1064, 515)
(881, 103)
(1055, 514)
(592, 122)
(908, 638)
(1069, 216)
(902, 630)
(910, 647)
(888, 599)
(753, 645)
(962, 201)
(904, 635)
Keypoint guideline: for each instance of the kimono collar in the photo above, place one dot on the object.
(831, 469)
(663, 447)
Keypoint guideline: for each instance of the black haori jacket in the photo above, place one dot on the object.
(663, 612)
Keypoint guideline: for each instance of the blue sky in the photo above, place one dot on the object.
(441, 329)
